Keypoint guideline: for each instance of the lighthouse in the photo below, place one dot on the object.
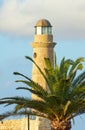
(43, 47)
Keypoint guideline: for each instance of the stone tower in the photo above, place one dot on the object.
(43, 47)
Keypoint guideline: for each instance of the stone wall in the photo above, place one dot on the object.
(18, 124)
(22, 124)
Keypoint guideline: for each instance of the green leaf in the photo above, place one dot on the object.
(79, 67)
(66, 107)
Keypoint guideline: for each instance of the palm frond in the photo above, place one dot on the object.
(78, 79)
(17, 73)
(35, 88)
(42, 73)
(76, 65)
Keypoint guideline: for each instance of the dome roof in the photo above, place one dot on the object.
(43, 23)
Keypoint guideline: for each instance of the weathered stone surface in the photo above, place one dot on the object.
(22, 124)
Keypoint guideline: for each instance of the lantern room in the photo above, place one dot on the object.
(43, 26)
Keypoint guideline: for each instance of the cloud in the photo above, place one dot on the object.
(66, 16)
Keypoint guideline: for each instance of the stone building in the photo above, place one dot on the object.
(43, 47)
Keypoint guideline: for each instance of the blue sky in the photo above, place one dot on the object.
(17, 21)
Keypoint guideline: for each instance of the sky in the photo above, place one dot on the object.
(17, 21)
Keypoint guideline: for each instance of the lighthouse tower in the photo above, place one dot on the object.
(43, 47)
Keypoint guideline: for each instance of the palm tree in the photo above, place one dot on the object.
(65, 99)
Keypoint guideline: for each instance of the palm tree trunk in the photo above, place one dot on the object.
(55, 125)
(59, 129)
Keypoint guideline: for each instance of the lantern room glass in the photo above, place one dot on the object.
(43, 30)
